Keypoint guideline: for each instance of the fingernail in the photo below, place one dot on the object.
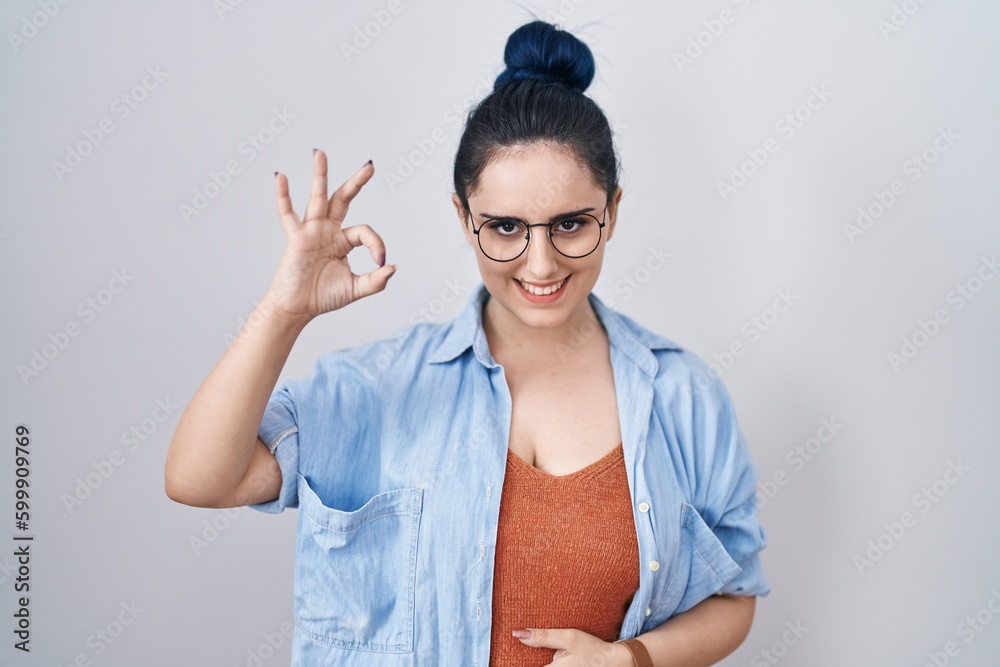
(522, 634)
(367, 163)
(381, 260)
(275, 174)
(314, 151)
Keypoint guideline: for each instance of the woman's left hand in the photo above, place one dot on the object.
(575, 648)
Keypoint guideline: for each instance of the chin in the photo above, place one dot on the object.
(542, 315)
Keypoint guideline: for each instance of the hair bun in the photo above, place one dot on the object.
(540, 50)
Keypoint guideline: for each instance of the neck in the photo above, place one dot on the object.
(511, 339)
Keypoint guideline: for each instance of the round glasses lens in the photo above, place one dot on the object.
(503, 240)
(578, 236)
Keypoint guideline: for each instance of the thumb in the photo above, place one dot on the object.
(540, 637)
(375, 281)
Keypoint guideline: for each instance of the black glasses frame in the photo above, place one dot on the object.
(527, 236)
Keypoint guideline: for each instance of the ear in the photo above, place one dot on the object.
(462, 217)
(613, 211)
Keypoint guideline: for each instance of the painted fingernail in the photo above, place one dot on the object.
(381, 260)
(314, 151)
(275, 174)
(369, 162)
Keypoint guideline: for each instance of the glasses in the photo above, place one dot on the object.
(505, 239)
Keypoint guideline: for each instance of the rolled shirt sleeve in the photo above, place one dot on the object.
(312, 425)
(280, 432)
(726, 491)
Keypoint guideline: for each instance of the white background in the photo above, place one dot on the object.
(682, 128)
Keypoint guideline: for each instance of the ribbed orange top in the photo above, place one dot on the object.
(566, 557)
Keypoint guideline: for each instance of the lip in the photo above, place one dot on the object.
(547, 298)
(540, 284)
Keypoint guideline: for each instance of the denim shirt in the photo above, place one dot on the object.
(394, 453)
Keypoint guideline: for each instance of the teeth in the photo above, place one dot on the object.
(542, 291)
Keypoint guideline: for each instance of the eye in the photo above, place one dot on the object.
(505, 227)
(570, 225)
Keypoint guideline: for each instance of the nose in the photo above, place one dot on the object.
(542, 258)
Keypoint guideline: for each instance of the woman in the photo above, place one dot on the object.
(541, 479)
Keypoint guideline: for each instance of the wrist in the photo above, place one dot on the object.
(269, 307)
(620, 656)
(636, 653)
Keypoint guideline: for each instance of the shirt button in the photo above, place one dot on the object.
(654, 565)
(643, 507)
(648, 611)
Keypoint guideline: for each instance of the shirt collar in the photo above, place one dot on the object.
(467, 331)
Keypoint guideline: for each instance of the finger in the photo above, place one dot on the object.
(547, 638)
(317, 200)
(340, 199)
(359, 235)
(289, 221)
(373, 281)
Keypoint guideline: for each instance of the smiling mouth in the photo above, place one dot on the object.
(542, 291)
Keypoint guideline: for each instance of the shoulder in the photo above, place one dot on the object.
(677, 365)
(403, 351)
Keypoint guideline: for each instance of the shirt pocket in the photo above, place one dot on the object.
(703, 558)
(355, 571)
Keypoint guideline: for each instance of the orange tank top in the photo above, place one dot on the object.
(567, 555)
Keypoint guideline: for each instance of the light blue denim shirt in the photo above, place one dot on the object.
(395, 451)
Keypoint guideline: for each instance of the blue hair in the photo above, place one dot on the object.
(539, 50)
(538, 98)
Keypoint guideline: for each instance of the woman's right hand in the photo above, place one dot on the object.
(313, 276)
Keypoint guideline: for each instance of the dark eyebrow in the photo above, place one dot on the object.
(558, 216)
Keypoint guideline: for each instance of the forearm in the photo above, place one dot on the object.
(214, 440)
(702, 635)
